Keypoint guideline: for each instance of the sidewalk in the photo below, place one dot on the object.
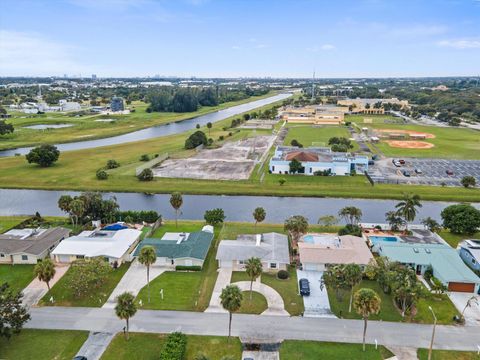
(223, 279)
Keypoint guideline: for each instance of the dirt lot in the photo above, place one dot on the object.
(409, 144)
(233, 161)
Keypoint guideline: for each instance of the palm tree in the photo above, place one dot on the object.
(176, 201)
(366, 302)
(407, 208)
(147, 257)
(231, 300)
(353, 275)
(259, 215)
(350, 214)
(125, 308)
(394, 220)
(254, 268)
(45, 271)
(296, 226)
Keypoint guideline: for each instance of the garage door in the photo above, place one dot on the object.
(461, 287)
(314, 267)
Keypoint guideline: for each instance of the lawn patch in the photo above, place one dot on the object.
(17, 276)
(454, 239)
(9, 222)
(43, 344)
(256, 305)
(308, 135)
(447, 355)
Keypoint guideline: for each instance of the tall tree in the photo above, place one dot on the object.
(209, 127)
(334, 278)
(5, 128)
(353, 275)
(296, 226)
(366, 302)
(13, 315)
(254, 268)
(259, 215)
(176, 200)
(43, 155)
(408, 208)
(64, 204)
(126, 309)
(147, 257)
(351, 214)
(431, 224)
(45, 271)
(231, 300)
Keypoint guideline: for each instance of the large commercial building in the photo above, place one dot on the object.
(117, 104)
(369, 106)
(315, 159)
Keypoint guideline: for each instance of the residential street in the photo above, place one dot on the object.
(254, 326)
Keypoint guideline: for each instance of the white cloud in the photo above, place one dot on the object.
(327, 47)
(24, 53)
(236, 47)
(460, 43)
(260, 46)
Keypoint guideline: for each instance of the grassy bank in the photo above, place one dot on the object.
(447, 355)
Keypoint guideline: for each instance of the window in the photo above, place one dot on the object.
(80, 256)
(273, 168)
(24, 257)
(273, 265)
(311, 170)
(2, 255)
(473, 261)
(241, 262)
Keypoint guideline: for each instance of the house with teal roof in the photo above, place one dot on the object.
(445, 261)
(180, 249)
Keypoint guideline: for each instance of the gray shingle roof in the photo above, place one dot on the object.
(34, 244)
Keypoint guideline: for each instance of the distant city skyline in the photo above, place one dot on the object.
(209, 38)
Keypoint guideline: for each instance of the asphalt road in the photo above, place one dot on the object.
(259, 327)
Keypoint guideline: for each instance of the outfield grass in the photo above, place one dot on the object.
(454, 239)
(307, 135)
(443, 307)
(76, 170)
(64, 296)
(143, 346)
(447, 355)
(17, 276)
(314, 350)
(87, 128)
(42, 344)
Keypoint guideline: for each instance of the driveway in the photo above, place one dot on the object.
(95, 345)
(261, 355)
(274, 300)
(34, 292)
(472, 313)
(223, 279)
(133, 281)
(317, 304)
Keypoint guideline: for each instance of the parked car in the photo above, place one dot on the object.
(304, 287)
(397, 163)
(449, 172)
(401, 161)
(371, 162)
(80, 357)
(406, 173)
(418, 171)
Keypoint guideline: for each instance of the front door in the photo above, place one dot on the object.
(419, 269)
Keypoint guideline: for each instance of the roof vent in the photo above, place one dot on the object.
(428, 251)
(415, 250)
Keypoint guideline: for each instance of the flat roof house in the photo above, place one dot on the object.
(28, 246)
(469, 251)
(446, 263)
(111, 245)
(184, 249)
(270, 248)
(317, 251)
(315, 159)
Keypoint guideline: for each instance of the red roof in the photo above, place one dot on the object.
(302, 156)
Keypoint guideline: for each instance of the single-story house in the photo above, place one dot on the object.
(28, 246)
(113, 246)
(317, 251)
(184, 249)
(469, 251)
(270, 248)
(315, 159)
(446, 263)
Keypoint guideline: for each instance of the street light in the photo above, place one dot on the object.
(433, 333)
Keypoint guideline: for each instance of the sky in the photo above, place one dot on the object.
(240, 38)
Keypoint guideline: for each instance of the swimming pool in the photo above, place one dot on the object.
(376, 239)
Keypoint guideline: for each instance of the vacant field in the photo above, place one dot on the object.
(87, 127)
(308, 135)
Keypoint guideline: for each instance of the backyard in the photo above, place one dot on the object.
(454, 239)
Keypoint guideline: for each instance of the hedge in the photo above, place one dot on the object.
(188, 268)
(174, 347)
(149, 216)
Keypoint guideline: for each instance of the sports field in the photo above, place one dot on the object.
(309, 135)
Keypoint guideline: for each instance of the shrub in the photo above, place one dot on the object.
(43, 155)
(174, 347)
(461, 218)
(196, 139)
(283, 274)
(350, 229)
(112, 164)
(326, 172)
(102, 174)
(144, 157)
(188, 268)
(145, 175)
(149, 216)
(214, 216)
(428, 273)
(294, 142)
(221, 138)
(282, 181)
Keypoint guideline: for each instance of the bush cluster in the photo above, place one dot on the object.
(149, 216)
(282, 274)
(174, 347)
(188, 268)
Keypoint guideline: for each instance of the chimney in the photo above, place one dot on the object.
(258, 240)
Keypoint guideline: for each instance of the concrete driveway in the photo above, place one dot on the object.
(34, 292)
(95, 345)
(133, 281)
(274, 300)
(472, 313)
(223, 279)
(317, 304)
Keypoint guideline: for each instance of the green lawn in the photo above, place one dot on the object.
(307, 135)
(42, 344)
(9, 222)
(314, 350)
(76, 170)
(17, 276)
(447, 355)
(64, 296)
(454, 239)
(443, 307)
(256, 305)
(148, 346)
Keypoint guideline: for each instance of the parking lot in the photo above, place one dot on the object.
(425, 171)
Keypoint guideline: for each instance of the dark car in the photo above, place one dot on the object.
(401, 161)
(304, 287)
(449, 172)
(80, 357)
(406, 173)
